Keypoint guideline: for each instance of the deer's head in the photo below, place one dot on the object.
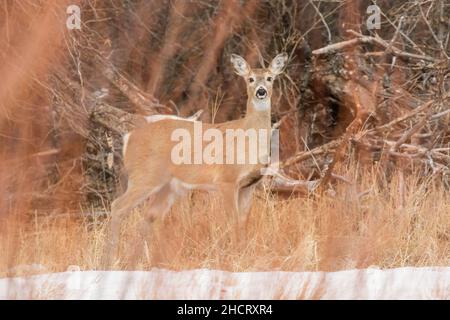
(259, 81)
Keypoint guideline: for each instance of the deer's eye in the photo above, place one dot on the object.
(251, 79)
(269, 79)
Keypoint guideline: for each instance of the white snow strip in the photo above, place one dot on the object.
(402, 283)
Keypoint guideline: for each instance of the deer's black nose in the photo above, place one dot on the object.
(261, 93)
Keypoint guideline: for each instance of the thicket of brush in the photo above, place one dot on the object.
(363, 112)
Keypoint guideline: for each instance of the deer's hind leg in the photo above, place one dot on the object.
(137, 191)
(160, 204)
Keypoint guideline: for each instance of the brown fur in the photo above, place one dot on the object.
(151, 172)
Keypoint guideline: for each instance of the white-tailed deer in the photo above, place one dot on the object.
(153, 173)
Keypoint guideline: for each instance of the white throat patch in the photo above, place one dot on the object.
(261, 105)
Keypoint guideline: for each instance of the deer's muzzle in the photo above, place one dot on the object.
(261, 93)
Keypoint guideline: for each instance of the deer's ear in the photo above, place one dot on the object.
(240, 65)
(278, 63)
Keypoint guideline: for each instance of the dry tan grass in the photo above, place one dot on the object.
(400, 224)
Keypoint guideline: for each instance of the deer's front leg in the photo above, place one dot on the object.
(230, 196)
(245, 198)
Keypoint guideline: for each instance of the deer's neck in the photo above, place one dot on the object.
(258, 113)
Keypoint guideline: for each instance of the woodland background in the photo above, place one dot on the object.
(353, 105)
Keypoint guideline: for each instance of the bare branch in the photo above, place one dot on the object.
(373, 40)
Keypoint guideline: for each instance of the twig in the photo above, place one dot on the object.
(440, 114)
(323, 20)
(374, 40)
(313, 152)
(409, 133)
(403, 118)
(439, 42)
(377, 40)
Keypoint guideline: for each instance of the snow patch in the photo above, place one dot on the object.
(401, 283)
